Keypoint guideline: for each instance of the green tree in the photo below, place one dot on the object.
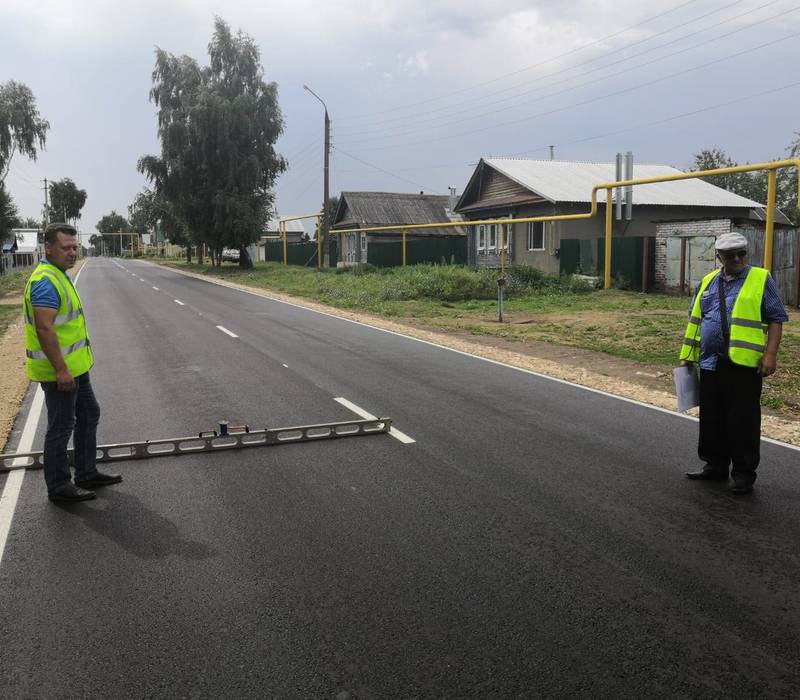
(30, 222)
(9, 217)
(787, 184)
(218, 126)
(113, 223)
(753, 185)
(152, 213)
(66, 201)
(21, 127)
(140, 213)
(331, 206)
(744, 184)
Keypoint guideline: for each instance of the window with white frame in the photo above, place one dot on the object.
(492, 245)
(508, 232)
(482, 239)
(363, 241)
(536, 235)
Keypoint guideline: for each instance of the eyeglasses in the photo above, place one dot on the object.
(731, 254)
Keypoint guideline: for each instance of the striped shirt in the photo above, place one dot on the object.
(712, 343)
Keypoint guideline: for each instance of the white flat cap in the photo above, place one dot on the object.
(731, 241)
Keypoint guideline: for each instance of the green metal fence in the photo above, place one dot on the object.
(303, 254)
(588, 257)
(626, 261)
(437, 251)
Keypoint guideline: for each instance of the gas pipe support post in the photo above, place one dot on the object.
(609, 229)
(772, 183)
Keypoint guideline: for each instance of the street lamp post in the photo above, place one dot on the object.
(325, 223)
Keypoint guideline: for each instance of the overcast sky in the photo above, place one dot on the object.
(417, 90)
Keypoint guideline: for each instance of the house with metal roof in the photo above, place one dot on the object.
(26, 251)
(295, 233)
(368, 209)
(645, 247)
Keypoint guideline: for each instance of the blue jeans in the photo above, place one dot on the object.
(70, 413)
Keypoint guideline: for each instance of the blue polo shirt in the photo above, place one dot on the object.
(44, 292)
(712, 343)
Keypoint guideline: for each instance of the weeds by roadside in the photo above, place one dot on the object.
(12, 285)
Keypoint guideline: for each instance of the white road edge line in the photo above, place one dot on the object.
(178, 301)
(13, 485)
(225, 330)
(394, 432)
(10, 495)
(675, 414)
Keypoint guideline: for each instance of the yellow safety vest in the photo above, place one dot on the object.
(70, 328)
(748, 332)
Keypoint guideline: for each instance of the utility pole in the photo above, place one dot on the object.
(46, 206)
(325, 182)
(551, 152)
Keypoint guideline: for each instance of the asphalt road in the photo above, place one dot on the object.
(537, 540)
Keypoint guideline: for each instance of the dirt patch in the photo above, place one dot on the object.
(13, 378)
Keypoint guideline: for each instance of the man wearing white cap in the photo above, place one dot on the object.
(735, 351)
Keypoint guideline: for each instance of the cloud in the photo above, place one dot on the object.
(377, 61)
(416, 64)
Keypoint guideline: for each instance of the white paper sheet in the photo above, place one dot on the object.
(687, 387)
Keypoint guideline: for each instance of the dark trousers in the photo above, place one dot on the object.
(74, 414)
(730, 419)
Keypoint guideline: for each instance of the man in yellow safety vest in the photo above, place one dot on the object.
(734, 330)
(59, 356)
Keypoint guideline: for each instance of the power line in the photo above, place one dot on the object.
(677, 116)
(386, 172)
(516, 97)
(587, 101)
(308, 157)
(309, 144)
(516, 86)
(535, 65)
(615, 132)
(643, 125)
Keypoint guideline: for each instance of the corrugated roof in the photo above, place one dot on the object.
(571, 181)
(291, 226)
(387, 208)
(27, 240)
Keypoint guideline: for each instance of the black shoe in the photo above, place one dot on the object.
(99, 479)
(70, 492)
(741, 487)
(707, 474)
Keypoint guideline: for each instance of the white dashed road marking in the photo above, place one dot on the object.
(178, 301)
(157, 289)
(225, 330)
(394, 432)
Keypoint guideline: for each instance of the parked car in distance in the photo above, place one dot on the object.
(230, 255)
